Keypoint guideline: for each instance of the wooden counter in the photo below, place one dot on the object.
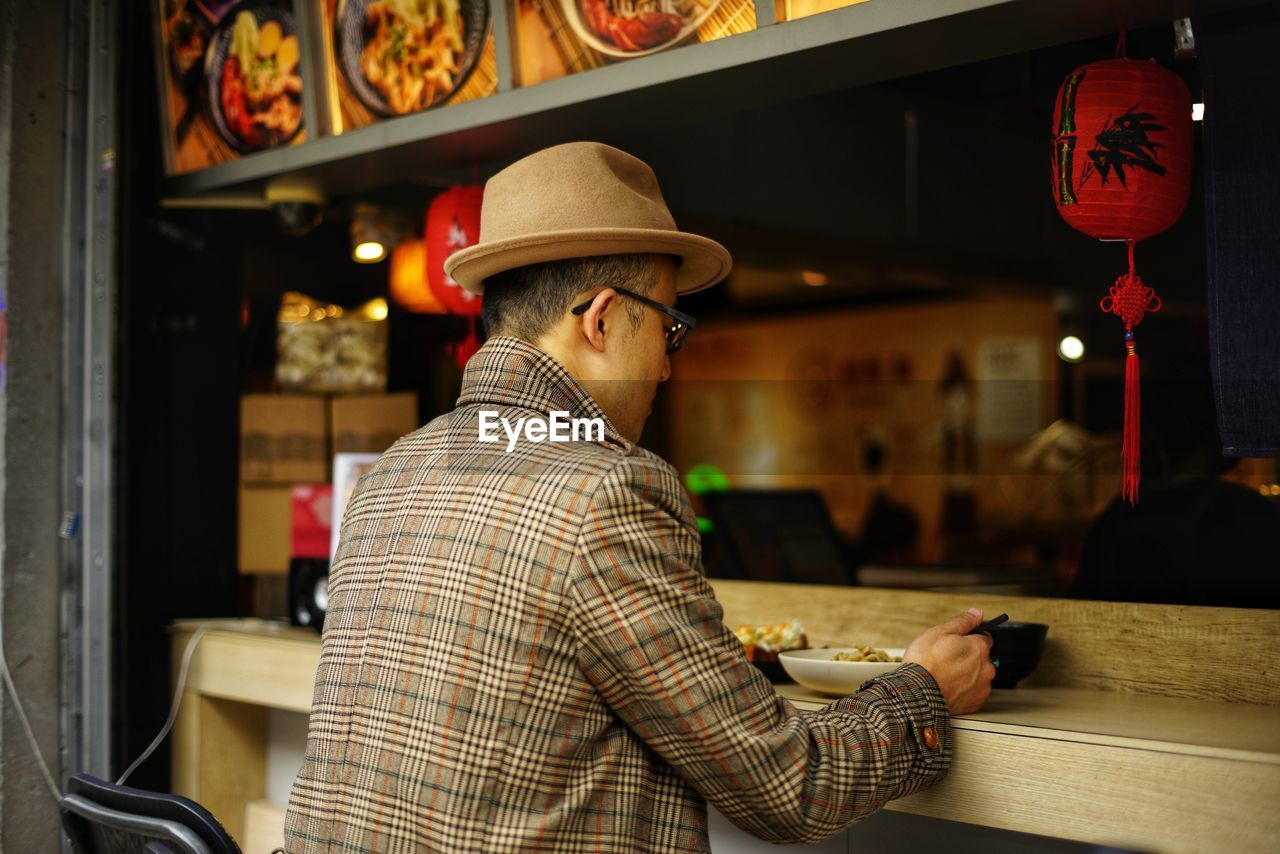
(1131, 771)
(1116, 767)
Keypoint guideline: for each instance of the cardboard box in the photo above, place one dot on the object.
(312, 515)
(266, 515)
(371, 423)
(283, 439)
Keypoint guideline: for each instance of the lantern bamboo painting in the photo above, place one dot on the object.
(1122, 171)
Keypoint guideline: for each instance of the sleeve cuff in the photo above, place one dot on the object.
(909, 696)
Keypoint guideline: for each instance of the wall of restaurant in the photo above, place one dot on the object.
(793, 401)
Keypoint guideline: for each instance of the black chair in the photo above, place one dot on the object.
(103, 818)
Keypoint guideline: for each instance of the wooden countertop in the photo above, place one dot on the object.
(1193, 727)
(242, 670)
(260, 662)
(1136, 771)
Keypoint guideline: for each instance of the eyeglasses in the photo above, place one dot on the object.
(676, 331)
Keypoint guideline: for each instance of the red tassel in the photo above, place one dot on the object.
(1131, 451)
(1130, 300)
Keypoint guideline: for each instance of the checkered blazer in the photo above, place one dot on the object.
(521, 654)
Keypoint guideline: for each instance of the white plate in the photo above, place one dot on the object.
(814, 669)
(583, 32)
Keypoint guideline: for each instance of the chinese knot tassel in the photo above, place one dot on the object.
(1130, 300)
(1130, 453)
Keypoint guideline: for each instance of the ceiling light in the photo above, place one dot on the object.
(371, 231)
(1071, 349)
(369, 252)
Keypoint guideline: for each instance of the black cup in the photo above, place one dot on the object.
(1016, 650)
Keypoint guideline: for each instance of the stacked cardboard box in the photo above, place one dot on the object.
(288, 441)
(371, 423)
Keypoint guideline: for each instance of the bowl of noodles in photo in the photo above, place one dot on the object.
(625, 29)
(403, 56)
(252, 85)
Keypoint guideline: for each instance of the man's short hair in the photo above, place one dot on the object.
(527, 302)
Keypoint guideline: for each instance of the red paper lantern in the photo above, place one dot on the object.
(1122, 149)
(453, 223)
(409, 286)
(1122, 171)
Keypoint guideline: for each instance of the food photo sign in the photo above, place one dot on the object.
(558, 37)
(794, 10)
(389, 58)
(232, 72)
(230, 79)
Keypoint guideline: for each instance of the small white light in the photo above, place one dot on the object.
(1197, 112)
(369, 252)
(1071, 349)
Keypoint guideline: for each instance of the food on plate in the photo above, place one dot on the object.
(637, 25)
(411, 50)
(260, 95)
(866, 653)
(763, 643)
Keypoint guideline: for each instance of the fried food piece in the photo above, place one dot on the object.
(287, 55)
(269, 39)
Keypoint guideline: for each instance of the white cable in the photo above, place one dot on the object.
(26, 727)
(173, 710)
(35, 745)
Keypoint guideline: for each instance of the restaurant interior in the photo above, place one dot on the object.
(906, 384)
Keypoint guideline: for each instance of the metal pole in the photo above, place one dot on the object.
(89, 289)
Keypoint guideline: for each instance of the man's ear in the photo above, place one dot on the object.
(593, 324)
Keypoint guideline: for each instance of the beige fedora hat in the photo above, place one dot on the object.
(579, 200)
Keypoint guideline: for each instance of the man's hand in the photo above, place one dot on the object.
(958, 661)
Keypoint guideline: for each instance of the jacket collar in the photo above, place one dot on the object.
(513, 372)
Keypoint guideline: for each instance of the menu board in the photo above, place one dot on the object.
(230, 79)
(558, 37)
(791, 10)
(388, 58)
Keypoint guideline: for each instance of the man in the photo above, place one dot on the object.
(520, 652)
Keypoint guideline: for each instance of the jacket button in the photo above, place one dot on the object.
(930, 737)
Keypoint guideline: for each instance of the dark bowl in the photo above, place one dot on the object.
(772, 670)
(1016, 650)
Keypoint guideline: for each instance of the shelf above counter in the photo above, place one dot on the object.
(843, 48)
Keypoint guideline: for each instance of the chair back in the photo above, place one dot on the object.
(103, 818)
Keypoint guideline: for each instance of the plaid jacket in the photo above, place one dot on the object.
(521, 654)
